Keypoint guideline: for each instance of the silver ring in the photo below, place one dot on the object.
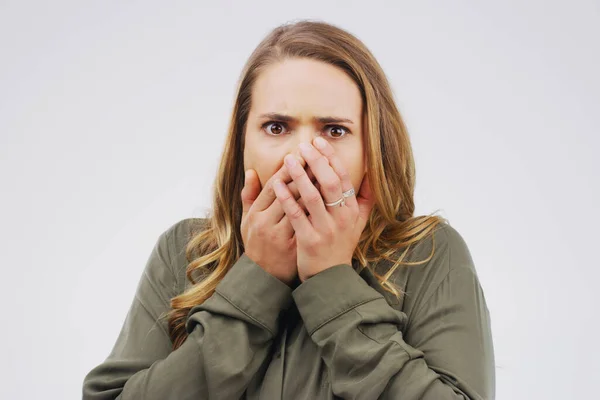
(348, 193)
(341, 202)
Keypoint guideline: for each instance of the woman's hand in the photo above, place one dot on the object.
(329, 235)
(266, 231)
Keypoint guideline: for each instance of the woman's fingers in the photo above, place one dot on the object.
(311, 197)
(267, 195)
(338, 166)
(293, 211)
(275, 212)
(331, 187)
(250, 191)
(286, 228)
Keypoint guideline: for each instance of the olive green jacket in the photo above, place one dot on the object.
(336, 335)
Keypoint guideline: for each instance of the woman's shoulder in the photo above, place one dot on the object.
(183, 230)
(421, 279)
(175, 238)
(451, 251)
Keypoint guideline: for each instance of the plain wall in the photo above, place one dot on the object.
(113, 118)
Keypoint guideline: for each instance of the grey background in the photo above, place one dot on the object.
(113, 116)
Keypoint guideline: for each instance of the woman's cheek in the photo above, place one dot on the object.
(265, 175)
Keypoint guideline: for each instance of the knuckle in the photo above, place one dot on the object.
(297, 174)
(296, 213)
(274, 236)
(285, 197)
(312, 247)
(314, 197)
(332, 185)
(270, 190)
(328, 233)
(259, 227)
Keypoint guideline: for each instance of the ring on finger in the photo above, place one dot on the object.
(341, 202)
(348, 193)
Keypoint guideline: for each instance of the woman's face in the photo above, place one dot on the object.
(290, 101)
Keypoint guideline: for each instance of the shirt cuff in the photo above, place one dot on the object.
(255, 292)
(330, 293)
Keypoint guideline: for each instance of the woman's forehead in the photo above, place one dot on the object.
(305, 89)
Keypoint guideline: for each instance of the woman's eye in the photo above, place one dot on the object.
(275, 128)
(274, 132)
(339, 130)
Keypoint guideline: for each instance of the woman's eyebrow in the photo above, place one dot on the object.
(289, 118)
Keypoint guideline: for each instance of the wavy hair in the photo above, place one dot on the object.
(390, 167)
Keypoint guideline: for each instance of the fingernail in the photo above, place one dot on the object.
(290, 161)
(320, 143)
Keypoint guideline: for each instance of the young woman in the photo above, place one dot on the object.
(311, 278)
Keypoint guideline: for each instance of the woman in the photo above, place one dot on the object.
(311, 279)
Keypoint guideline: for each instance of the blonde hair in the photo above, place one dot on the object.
(391, 226)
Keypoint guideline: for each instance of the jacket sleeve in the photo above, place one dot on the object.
(230, 336)
(371, 353)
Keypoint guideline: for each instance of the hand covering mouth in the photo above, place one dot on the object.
(300, 200)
